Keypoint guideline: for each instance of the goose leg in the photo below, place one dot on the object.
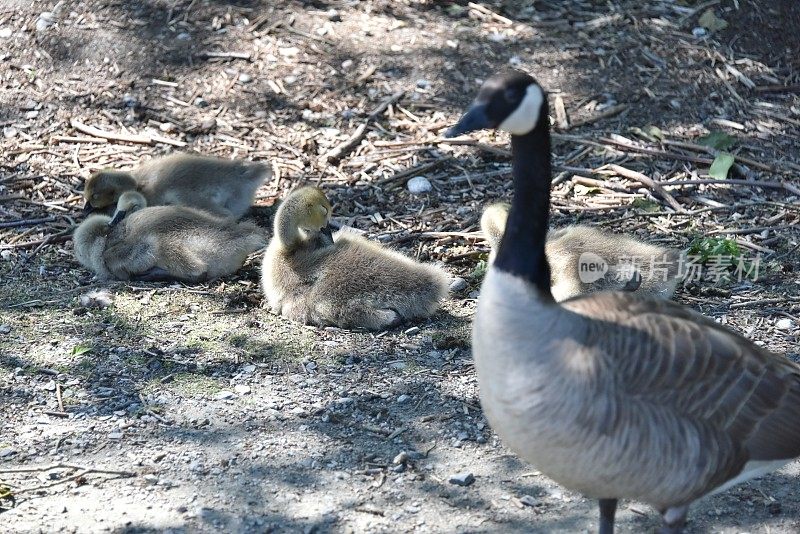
(674, 519)
(608, 507)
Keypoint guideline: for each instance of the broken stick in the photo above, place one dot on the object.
(647, 182)
(343, 149)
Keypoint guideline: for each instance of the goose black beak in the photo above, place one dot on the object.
(118, 216)
(87, 209)
(474, 119)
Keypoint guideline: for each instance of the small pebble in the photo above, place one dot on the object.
(784, 324)
(402, 399)
(245, 78)
(528, 500)
(401, 458)
(9, 132)
(224, 395)
(458, 284)
(129, 101)
(699, 31)
(462, 479)
(45, 20)
(289, 51)
(5, 328)
(166, 126)
(241, 389)
(115, 435)
(249, 369)
(101, 298)
(5, 33)
(200, 102)
(418, 185)
(347, 64)
(183, 36)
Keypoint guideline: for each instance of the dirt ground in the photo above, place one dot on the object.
(192, 409)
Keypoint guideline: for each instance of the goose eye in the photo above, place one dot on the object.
(95, 196)
(511, 95)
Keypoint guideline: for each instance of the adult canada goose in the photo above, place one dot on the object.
(164, 243)
(573, 249)
(313, 276)
(612, 394)
(220, 186)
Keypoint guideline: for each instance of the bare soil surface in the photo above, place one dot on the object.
(193, 409)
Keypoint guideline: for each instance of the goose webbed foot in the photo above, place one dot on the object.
(608, 507)
(674, 519)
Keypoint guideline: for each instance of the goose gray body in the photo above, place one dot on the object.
(618, 396)
(613, 394)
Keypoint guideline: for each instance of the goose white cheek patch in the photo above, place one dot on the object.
(525, 117)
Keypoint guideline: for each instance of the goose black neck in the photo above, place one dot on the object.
(522, 249)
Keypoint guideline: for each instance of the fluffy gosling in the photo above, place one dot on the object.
(312, 276)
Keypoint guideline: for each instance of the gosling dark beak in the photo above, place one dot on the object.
(87, 209)
(474, 119)
(327, 232)
(118, 216)
(634, 283)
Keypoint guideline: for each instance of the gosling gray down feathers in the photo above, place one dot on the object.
(571, 248)
(613, 394)
(164, 243)
(312, 276)
(223, 187)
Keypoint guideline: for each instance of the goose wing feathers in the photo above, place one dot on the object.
(664, 355)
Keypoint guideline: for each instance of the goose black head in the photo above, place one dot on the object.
(511, 101)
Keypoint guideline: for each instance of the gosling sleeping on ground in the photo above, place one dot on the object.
(312, 276)
(164, 243)
(654, 269)
(223, 187)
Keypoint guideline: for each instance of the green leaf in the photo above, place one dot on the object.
(479, 271)
(718, 140)
(654, 131)
(721, 165)
(455, 10)
(581, 190)
(651, 133)
(708, 247)
(711, 21)
(645, 205)
(77, 350)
